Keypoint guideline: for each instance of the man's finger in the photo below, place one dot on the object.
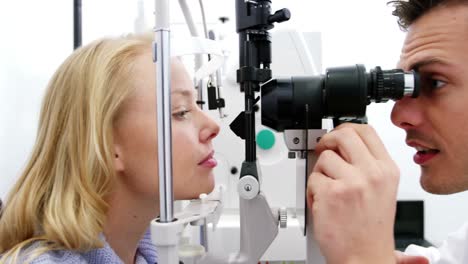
(370, 138)
(316, 184)
(348, 144)
(405, 259)
(332, 165)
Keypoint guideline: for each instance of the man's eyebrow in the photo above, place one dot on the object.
(427, 61)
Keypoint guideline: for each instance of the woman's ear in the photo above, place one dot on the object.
(119, 164)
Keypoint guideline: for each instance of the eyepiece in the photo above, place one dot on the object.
(392, 84)
(341, 92)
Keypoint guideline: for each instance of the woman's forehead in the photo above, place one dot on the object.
(181, 81)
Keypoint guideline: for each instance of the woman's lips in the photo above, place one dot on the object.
(209, 163)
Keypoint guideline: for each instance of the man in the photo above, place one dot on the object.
(352, 189)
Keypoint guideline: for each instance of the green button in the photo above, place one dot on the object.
(265, 139)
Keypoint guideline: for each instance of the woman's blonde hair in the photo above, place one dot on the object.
(59, 200)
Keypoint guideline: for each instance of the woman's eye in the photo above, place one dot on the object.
(181, 114)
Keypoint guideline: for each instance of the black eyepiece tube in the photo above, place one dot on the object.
(341, 92)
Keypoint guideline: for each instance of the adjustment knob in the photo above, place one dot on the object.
(280, 16)
(283, 217)
(248, 187)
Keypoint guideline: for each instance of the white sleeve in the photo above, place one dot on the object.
(454, 250)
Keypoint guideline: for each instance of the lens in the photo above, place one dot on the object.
(345, 90)
(284, 103)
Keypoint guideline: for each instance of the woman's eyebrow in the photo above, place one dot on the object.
(188, 93)
(183, 92)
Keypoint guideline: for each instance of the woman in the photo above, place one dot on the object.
(90, 189)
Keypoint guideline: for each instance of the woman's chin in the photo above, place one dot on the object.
(195, 194)
(207, 186)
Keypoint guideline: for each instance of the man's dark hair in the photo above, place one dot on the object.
(409, 11)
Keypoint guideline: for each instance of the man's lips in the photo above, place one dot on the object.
(424, 154)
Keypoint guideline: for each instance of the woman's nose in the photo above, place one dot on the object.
(210, 128)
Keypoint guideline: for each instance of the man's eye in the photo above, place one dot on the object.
(437, 84)
(431, 82)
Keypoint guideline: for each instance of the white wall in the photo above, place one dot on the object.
(37, 36)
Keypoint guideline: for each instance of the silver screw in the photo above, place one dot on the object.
(247, 187)
(296, 140)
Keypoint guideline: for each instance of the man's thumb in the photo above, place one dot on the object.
(405, 259)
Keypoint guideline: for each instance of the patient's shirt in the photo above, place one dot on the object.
(146, 254)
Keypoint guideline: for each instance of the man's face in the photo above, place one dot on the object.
(436, 123)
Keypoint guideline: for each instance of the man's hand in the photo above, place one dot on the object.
(352, 195)
(404, 259)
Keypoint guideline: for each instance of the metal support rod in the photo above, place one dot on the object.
(163, 96)
(202, 9)
(204, 235)
(198, 57)
(248, 59)
(250, 145)
(77, 31)
(219, 86)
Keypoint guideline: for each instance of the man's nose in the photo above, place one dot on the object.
(406, 113)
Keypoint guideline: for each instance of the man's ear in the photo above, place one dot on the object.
(119, 164)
